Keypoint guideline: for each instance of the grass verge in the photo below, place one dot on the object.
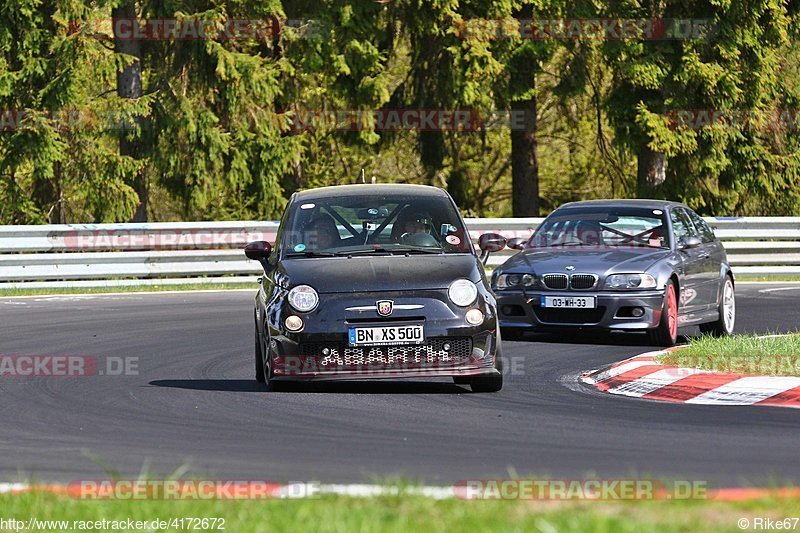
(740, 354)
(405, 513)
(129, 288)
(766, 277)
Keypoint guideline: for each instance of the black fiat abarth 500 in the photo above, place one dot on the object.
(375, 282)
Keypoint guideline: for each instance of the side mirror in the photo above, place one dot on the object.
(517, 243)
(490, 242)
(258, 250)
(688, 243)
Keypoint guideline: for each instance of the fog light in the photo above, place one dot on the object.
(294, 323)
(474, 316)
(326, 351)
(637, 312)
(446, 347)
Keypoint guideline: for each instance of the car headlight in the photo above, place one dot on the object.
(514, 281)
(303, 298)
(462, 292)
(630, 281)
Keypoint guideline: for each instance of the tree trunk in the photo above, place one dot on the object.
(60, 212)
(432, 151)
(524, 160)
(651, 173)
(129, 85)
(45, 197)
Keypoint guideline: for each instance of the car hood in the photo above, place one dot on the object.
(379, 273)
(595, 261)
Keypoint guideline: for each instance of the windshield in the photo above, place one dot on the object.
(609, 227)
(374, 224)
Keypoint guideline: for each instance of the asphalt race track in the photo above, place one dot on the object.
(194, 405)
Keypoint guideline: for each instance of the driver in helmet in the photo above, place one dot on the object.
(413, 226)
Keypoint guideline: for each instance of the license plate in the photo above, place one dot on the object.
(386, 335)
(569, 302)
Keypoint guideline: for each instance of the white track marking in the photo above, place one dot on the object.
(747, 390)
(653, 382)
(617, 370)
(131, 293)
(778, 289)
(5, 488)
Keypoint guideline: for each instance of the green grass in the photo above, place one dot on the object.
(407, 513)
(741, 354)
(129, 288)
(766, 277)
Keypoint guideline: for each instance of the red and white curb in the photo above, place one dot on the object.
(290, 491)
(314, 490)
(642, 376)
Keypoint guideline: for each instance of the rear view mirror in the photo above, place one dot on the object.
(373, 213)
(517, 243)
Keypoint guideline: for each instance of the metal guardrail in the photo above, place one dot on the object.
(205, 252)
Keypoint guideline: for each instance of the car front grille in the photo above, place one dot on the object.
(432, 352)
(582, 281)
(555, 281)
(569, 316)
(560, 282)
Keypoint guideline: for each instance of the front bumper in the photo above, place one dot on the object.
(321, 351)
(522, 310)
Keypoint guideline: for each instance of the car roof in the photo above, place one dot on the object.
(370, 189)
(643, 203)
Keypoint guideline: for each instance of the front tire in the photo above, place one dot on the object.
(273, 385)
(723, 326)
(492, 382)
(264, 369)
(259, 358)
(666, 333)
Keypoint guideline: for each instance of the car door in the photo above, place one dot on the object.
(715, 255)
(694, 263)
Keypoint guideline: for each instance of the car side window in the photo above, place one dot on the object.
(706, 233)
(682, 225)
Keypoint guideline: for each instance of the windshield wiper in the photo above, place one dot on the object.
(436, 251)
(395, 251)
(313, 254)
